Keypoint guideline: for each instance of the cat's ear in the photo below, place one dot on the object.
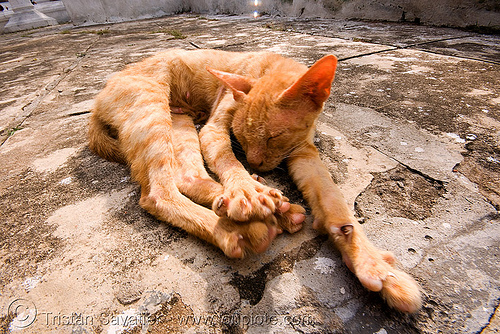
(240, 85)
(315, 84)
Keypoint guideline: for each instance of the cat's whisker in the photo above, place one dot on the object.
(281, 169)
(238, 150)
(294, 148)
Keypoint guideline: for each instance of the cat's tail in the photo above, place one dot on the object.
(103, 140)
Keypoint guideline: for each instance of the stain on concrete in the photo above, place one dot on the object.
(399, 193)
(481, 165)
(251, 286)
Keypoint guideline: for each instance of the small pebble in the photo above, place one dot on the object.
(67, 180)
(129, 291)
(491, 159)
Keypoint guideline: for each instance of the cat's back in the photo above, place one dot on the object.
(195, 62)
(183, 73)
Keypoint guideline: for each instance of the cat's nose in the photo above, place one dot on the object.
(255, 161)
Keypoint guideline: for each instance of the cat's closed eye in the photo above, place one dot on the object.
(274, 140)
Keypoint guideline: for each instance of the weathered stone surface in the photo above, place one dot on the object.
(411, 137)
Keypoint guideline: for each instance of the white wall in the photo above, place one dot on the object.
(435, 12)
(458, 13)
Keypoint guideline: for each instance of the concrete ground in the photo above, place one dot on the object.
(411, 134)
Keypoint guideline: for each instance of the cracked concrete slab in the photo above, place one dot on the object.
(410, 133)
(406, 144)
(440, 40)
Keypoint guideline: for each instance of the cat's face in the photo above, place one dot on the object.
(269, 131)
(276, 114)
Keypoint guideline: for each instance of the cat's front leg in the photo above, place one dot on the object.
(374, 268)
(244, 198)
(289, 217)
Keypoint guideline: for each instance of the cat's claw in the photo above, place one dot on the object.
(259, 179)
(220, 206)
(248, 200)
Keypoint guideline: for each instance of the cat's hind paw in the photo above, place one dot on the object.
(240, 240)
(290, 217)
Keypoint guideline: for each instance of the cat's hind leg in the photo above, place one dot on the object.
(138, 110)
(192, 180)
(191, 177)
(234, 240)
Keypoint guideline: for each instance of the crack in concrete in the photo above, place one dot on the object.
(369, 53)
(486, 199)
(78, 113)
(462, 57)
(30, 107)
(410, 46)
(416, 46)
(434, 41)
(413, 170)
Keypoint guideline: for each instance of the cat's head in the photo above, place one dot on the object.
(276, 113)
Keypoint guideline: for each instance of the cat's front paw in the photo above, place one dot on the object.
(398, 288)
(376, 270)
(248, 200)
(239, 240)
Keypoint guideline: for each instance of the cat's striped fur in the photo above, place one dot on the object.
(144, 117)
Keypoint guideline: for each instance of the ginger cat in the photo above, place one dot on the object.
(145, 117)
